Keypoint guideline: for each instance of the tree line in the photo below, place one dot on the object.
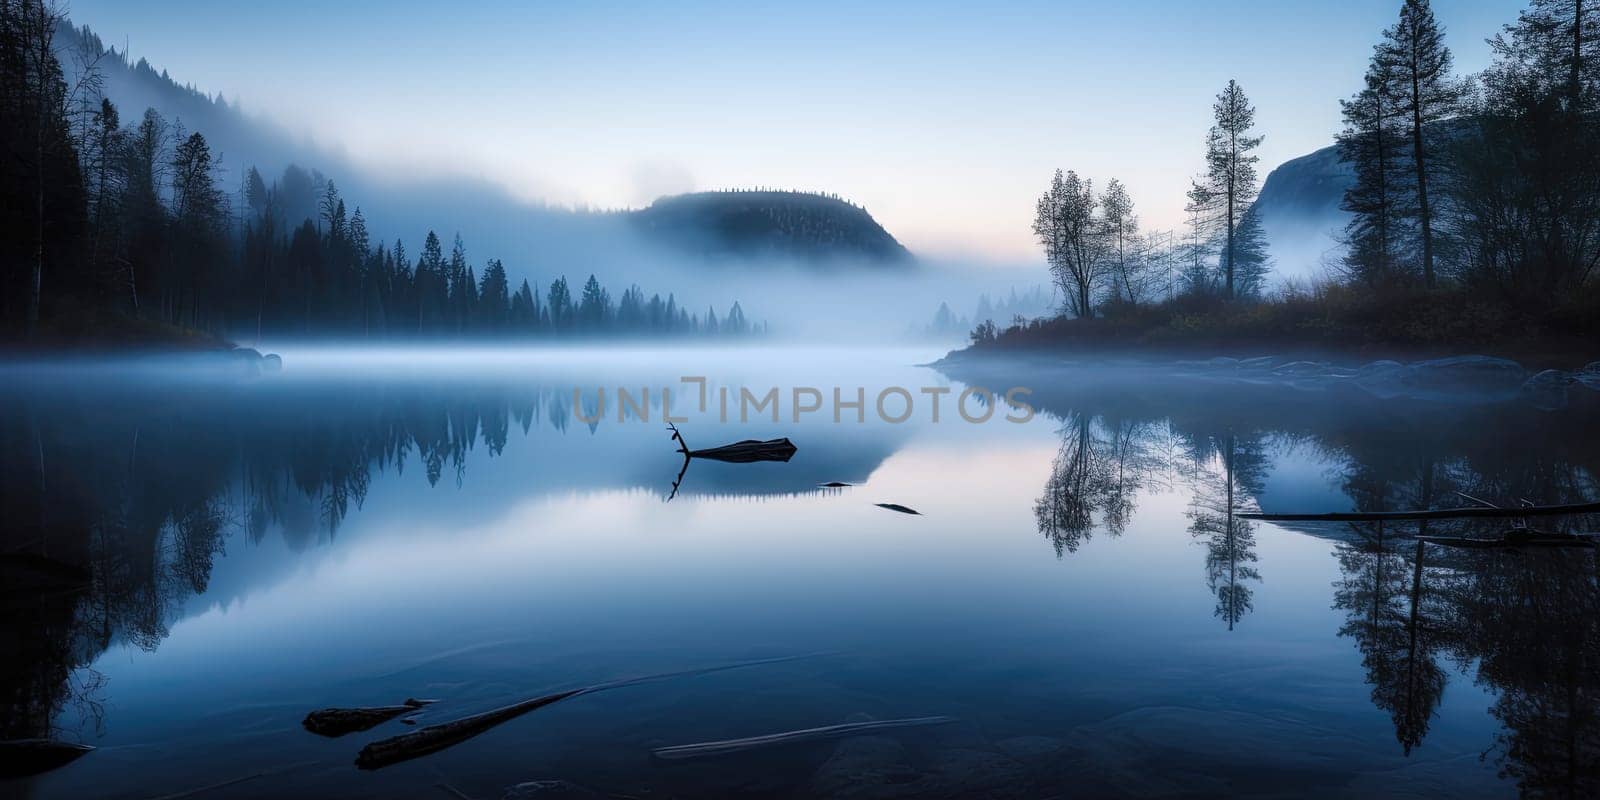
(1100, 260)
(106, 219)
(1486, 184)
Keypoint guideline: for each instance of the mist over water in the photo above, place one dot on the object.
(373, 524)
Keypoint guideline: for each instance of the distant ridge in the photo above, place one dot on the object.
(806, 227)
(810, 226)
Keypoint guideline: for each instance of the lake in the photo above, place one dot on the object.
(194, 562)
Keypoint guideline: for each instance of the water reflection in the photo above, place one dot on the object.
(1523, 623)
(120, 495)
(117, 521)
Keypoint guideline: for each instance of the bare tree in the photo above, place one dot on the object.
(1072, 238)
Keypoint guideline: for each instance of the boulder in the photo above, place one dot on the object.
(272, 362)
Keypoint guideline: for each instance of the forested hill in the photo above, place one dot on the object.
(528, 237)
(800, 225)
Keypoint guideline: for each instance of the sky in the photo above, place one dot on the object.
(945, 120)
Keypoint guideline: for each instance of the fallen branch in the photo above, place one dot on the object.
(336, 722)
(434, 738)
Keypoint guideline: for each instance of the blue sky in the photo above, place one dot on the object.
(944, 119)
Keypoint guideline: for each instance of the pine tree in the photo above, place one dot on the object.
(1556, 46)
(1416, 67)
(461, 287)
(494, 302)
(1231, 170)
(560, 302)
(1371, 143)
(431, 289)
(1121, 231)
(1251, 262)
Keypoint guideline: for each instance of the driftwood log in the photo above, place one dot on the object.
(434, 738)
(746, 451)
(1515, 539)
(1442, 513)
(335, 722)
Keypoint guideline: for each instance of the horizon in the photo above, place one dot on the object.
(947, 179)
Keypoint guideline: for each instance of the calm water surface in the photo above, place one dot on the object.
(367, 527)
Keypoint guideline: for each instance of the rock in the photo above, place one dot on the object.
(272, 362)
(550, 790)
(1591, 368)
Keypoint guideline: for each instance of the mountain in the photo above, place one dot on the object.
(535, 241)
(1299, 208)
(793, 225)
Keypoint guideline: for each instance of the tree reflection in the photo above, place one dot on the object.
(1227, 475)
(1524, 624)
(1531, 622)
(121, 516)
(1099, 467)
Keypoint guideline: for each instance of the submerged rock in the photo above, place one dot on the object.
(272, 362)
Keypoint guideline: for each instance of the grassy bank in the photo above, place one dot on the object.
(1326, 319)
